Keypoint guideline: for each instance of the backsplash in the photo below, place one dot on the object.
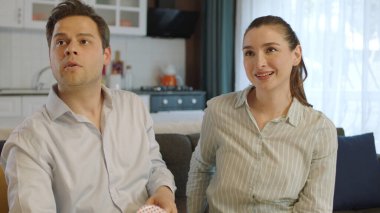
(24, 52)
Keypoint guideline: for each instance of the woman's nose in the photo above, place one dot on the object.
(261, 60)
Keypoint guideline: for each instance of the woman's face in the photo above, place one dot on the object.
(268, 60)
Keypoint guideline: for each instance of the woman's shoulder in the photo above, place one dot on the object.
(318, 118)
(224, 99)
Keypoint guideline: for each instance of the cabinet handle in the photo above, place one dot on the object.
(19, 16)
(194, 101)
(165, 101)
(179, 101)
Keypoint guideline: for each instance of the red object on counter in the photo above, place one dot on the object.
(168, 80)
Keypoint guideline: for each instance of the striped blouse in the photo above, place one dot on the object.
(288, 166)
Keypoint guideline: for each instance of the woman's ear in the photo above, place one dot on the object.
(297, 55)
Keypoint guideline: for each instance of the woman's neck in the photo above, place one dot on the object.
(268, 106)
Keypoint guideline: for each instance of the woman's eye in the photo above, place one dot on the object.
(248, 53)
(271, 49)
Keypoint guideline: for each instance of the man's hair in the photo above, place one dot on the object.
(77, 8)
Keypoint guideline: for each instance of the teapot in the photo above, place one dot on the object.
(169, 77)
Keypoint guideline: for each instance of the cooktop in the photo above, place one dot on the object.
(165, 88)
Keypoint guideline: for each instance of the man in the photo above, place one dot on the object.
(89, 149)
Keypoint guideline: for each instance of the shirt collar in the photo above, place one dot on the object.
(56, 107)
(294, 114)
(241, 97)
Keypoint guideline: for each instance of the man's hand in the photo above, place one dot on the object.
(164, 198)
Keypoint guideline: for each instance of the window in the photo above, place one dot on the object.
(340, 40)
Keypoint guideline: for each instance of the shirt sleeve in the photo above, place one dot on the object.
(202, 167)
(28, 177)
(160, 174)
(317, 194)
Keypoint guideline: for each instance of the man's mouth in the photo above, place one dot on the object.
(71, 64)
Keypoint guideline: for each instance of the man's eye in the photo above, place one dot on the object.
(84, 42)
(60, 42)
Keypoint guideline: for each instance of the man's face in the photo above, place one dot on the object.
(76, 53)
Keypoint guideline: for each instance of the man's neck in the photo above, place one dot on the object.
(86, 101)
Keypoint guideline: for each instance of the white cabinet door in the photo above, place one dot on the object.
(123, 16)
(37, 12)
(11, 13)
(10, 106)
(146, 100)
(31, 104)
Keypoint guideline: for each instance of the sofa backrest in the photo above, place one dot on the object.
(176, 151)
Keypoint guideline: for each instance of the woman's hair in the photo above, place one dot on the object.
(77, 8)
(299, 72)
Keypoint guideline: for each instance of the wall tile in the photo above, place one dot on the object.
(24, 52)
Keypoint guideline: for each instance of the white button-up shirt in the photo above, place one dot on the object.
(57, 161)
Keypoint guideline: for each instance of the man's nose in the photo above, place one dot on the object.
(71, 49)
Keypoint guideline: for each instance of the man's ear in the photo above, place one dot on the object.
(107, 55)
(297, 55)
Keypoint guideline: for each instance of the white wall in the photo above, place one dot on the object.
(24, 52)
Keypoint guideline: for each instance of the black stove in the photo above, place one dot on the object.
(165, 88)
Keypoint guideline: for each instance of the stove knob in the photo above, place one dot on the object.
(179, 101)
(194, 101)
(165, 101)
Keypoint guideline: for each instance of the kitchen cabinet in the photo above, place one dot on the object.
(37, 12)
(10, 106)
(194, 100)
(122, 16)
(15, 108)
(31, 104)
(20, 106)
(11, 13)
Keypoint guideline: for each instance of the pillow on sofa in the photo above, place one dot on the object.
(357, 184)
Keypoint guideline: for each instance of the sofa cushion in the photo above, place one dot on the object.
(194, 138)
(357, 183)
(176, 152)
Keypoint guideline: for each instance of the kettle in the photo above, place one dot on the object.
(169, 77)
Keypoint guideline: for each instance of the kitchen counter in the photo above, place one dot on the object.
(28, 91)
(192, 92)
(22, 91)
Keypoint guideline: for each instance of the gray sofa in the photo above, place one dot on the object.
(176, 150)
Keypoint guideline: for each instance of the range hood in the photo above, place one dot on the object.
(171, 23)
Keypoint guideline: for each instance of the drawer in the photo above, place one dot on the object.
(10, 106)
(32, 103)
(193, 102)
(176, 102)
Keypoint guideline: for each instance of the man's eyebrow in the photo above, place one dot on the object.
(79, 34)
(86, 34)
(59, 34)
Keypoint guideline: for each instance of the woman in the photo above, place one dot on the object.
(264, 149)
